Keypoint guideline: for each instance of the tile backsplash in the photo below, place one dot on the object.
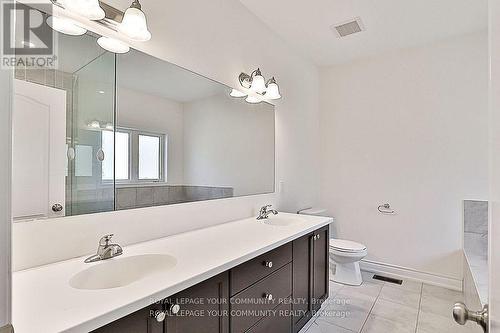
(147, 196)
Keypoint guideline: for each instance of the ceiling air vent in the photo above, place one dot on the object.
(348, 28)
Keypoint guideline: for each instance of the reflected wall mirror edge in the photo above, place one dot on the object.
(131, 131)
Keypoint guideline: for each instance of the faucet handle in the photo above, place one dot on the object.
(105, 239)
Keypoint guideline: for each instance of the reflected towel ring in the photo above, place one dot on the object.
(386, 209)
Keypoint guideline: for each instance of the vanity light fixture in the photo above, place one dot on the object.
(236, 93)
(65, 25)
(272, 89)
(113, 45)
(134, 24)
(131, 25)
(253, 99)
(256, 83)
(90, 9)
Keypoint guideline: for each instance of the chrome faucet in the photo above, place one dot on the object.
(265, 212)
(105, 250)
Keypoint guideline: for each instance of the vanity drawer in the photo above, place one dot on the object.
(248, 273)
(250, 305)
(278, 322)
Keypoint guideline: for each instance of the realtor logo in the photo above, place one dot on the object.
(27, 40)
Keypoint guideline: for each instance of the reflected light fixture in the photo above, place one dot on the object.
(236, 93)
(113, 45)
(253, 99)
(65, 25)
(134, 24)
(94, 124)
(273, 90)
(90, 9)
(109, 126)
(256, 83)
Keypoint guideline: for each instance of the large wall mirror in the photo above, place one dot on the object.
(105, 132)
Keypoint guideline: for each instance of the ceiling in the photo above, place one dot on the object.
(390, 24)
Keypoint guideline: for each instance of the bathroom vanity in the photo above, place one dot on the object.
(241, 276)
(289, 279)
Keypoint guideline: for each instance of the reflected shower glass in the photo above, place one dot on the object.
(92, 183)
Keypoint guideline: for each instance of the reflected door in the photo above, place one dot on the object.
(39, 151)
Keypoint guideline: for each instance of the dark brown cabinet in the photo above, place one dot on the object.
(141, 321)
(310, 276)
(203, 308)
(301, 295)
(276, 292)
(277, 322)
(320, 267)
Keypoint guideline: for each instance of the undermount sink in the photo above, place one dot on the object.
(282, 221)
(114, 273)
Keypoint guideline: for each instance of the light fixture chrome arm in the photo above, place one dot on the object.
(246, 80)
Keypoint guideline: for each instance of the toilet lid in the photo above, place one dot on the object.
(346, 245)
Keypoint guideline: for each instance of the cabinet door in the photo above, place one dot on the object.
(302, 282)
(277, 322)
(141, 321)
(320, 267)
(203, 308)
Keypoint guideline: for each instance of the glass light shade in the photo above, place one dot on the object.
(87, 8)
(258, 84)
(273, 91)
(113, 45)
(134, 25)
(237, 93)
(94, 124)
(65, 25)
(252, 99)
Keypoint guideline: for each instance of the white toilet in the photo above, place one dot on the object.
(344, 254)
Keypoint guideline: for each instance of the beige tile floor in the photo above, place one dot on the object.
(381, 307)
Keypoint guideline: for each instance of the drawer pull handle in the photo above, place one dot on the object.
(174, 308)
(268, 264)
(159, 316)
(268, 297)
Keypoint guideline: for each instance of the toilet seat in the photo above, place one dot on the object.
(346, 246)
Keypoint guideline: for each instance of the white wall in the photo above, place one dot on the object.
(229, 143)
(212, 38)
(147, 112)
(494, 172)
(407, 128)
(5, 193)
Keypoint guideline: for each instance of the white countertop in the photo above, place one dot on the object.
(44, 302)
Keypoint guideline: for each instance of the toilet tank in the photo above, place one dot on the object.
(316, 211)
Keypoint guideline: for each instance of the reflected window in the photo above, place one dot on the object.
(139, 156)
(122, 155)
(149, 157)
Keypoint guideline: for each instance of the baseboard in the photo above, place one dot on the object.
(410, 274)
